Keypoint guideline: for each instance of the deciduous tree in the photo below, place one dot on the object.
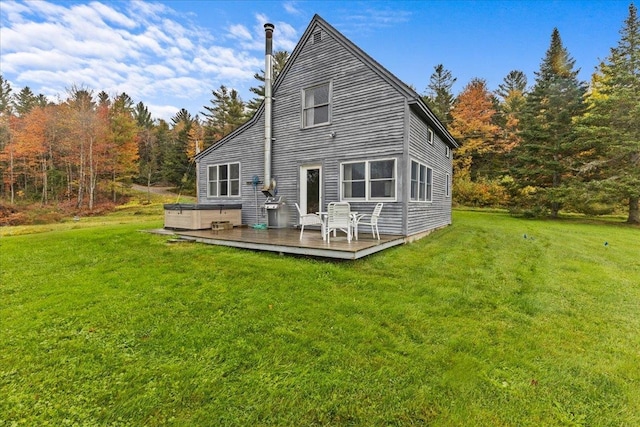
(473, 128)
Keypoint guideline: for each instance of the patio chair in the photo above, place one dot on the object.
(309, 219)
(338, 218)
(372, 221)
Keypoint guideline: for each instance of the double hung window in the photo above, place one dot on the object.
(223, 180)
(421, 182)
(369, 180)
(316, 105)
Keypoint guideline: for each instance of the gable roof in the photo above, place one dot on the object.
(414, 100)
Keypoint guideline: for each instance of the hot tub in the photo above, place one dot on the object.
(180, 216)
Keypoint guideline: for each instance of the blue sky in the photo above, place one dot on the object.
(172, 54)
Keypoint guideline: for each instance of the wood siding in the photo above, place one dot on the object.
(424, 216)
(371, 120)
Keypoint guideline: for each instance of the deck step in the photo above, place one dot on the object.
(221, 225)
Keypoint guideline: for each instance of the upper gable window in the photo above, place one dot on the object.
(316, 105)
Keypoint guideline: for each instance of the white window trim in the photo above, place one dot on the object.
(447, 151)
(229, 180)
(447, 188)
(426, 186)
(304, 107)
(430, 136)
(367, 181)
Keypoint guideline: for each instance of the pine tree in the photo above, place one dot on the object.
(439, 97)
(5, 112)
(510, 102)
(175, 165)
(543, 158)
(147, 146)
(226, 114)
(279, 61)
(25, 101)
(611, 125)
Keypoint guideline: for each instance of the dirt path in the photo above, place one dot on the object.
(163, 191)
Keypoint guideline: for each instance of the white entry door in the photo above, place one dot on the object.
(311, 188)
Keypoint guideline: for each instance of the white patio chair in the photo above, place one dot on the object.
(372, 221)
(338, 218)
(309, 219)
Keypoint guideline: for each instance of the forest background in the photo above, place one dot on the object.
(557, 145)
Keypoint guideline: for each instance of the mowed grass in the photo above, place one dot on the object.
(473, 325)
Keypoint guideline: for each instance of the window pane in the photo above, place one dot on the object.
(382, 169)
(353, 171)
(223, 174)
(321, 95)
(321, 114)
(235, 188)
(213, 181)
(224, 188)
(358, 190)
(308, 98)
(382, 189)
(308, 117)
(235, 170)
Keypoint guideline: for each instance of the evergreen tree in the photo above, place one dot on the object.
(279, 61)
(147, 146)
(543, 158)
(25, 101)
(611, 125)
(175, 165)
(5, 96)
(510, 101)
(5, 112)
(226, 114)
(439, 97)
(514, 82)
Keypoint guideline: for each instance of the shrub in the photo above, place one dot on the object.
(481, 193)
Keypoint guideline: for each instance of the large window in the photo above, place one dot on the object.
(421, 182)
(223, 180)
(316, 105)
(369, 180)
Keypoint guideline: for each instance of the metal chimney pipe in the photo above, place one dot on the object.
(268, 75)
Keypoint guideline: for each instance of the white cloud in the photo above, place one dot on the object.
(240, 32)
(164, 112)
(291, 7)
(113, 16)
(145, 49)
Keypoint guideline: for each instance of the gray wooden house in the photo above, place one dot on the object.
(334, 126)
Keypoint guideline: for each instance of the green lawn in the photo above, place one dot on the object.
(474, 325)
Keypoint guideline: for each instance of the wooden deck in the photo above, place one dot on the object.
(287, 241)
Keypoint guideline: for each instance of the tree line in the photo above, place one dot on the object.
(560, 144)
(83, 148)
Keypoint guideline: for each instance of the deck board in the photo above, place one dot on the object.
(287, 241)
